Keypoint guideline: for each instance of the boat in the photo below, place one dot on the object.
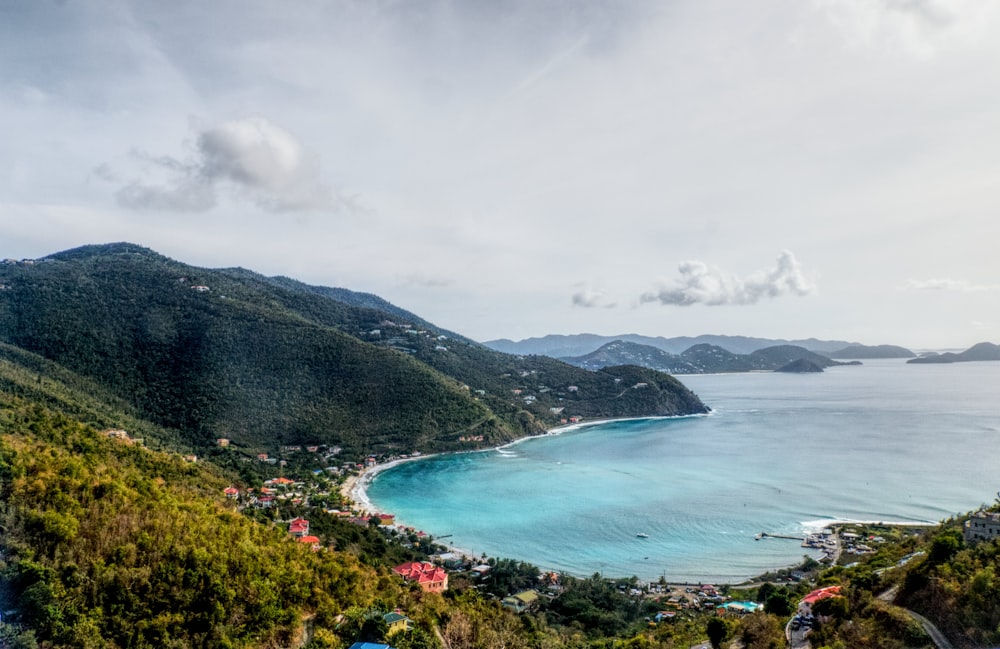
(642, 535)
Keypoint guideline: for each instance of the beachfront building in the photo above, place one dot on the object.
(982, 526)
(430, 578)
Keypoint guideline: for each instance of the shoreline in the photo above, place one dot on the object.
(354, 489)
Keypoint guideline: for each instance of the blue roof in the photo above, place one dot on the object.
(369, 645)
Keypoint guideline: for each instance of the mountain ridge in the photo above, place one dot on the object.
(209, 353)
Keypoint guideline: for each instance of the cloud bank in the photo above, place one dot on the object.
(252, 158)
(700, 283)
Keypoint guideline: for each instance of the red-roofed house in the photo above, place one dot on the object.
(822, 593)
(231, 492)
(298, 527)
(314, 540)
(430, 578)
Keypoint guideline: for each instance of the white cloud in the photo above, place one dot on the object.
(954, 285)
(700, 283)
(592, 298)
(253, 158)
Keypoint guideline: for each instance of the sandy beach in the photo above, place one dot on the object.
(355, 487)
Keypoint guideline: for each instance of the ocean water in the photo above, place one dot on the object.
(781, 453)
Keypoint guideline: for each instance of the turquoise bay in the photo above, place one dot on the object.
(884, 441)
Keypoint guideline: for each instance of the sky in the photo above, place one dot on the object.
(517, 168)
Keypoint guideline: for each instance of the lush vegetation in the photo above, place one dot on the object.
(107, 543)
(228, 353)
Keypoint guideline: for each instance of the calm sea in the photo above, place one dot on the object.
(781, 453)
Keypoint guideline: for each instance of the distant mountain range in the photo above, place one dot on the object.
(561, 346)
(703, 359)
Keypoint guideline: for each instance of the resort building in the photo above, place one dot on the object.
(982, 526)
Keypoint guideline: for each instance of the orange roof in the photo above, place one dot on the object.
(308, 539)
(822, 593)
(421, 572)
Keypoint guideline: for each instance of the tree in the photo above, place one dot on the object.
(778, 604)
(762, 632)
(717, 631)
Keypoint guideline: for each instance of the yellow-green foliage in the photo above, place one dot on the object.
(108, 544)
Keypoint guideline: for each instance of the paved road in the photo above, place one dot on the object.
(940, 641)
(937, 637)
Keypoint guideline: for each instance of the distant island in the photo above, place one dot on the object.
(979, 352)
(872, 351)
(702, 359)
(581, 345)
(800, 366)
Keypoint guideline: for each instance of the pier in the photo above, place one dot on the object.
(768, 535)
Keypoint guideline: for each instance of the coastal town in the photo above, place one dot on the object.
(337, 491)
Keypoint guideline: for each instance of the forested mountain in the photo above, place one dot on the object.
(264, 362)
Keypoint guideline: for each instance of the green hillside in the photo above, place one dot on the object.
(107, 544)
(264, 362)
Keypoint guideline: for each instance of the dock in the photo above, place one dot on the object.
(768, 535)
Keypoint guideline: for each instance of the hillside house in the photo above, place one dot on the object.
(312, 541)
(231, 492)
(982, 526)
(521, 602)
(430, 578)
(817, 595)
(396, 622)
(298, 527)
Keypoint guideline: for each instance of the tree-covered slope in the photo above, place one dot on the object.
(107, 544)
(264, 362)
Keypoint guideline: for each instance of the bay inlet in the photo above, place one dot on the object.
(781, 453)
